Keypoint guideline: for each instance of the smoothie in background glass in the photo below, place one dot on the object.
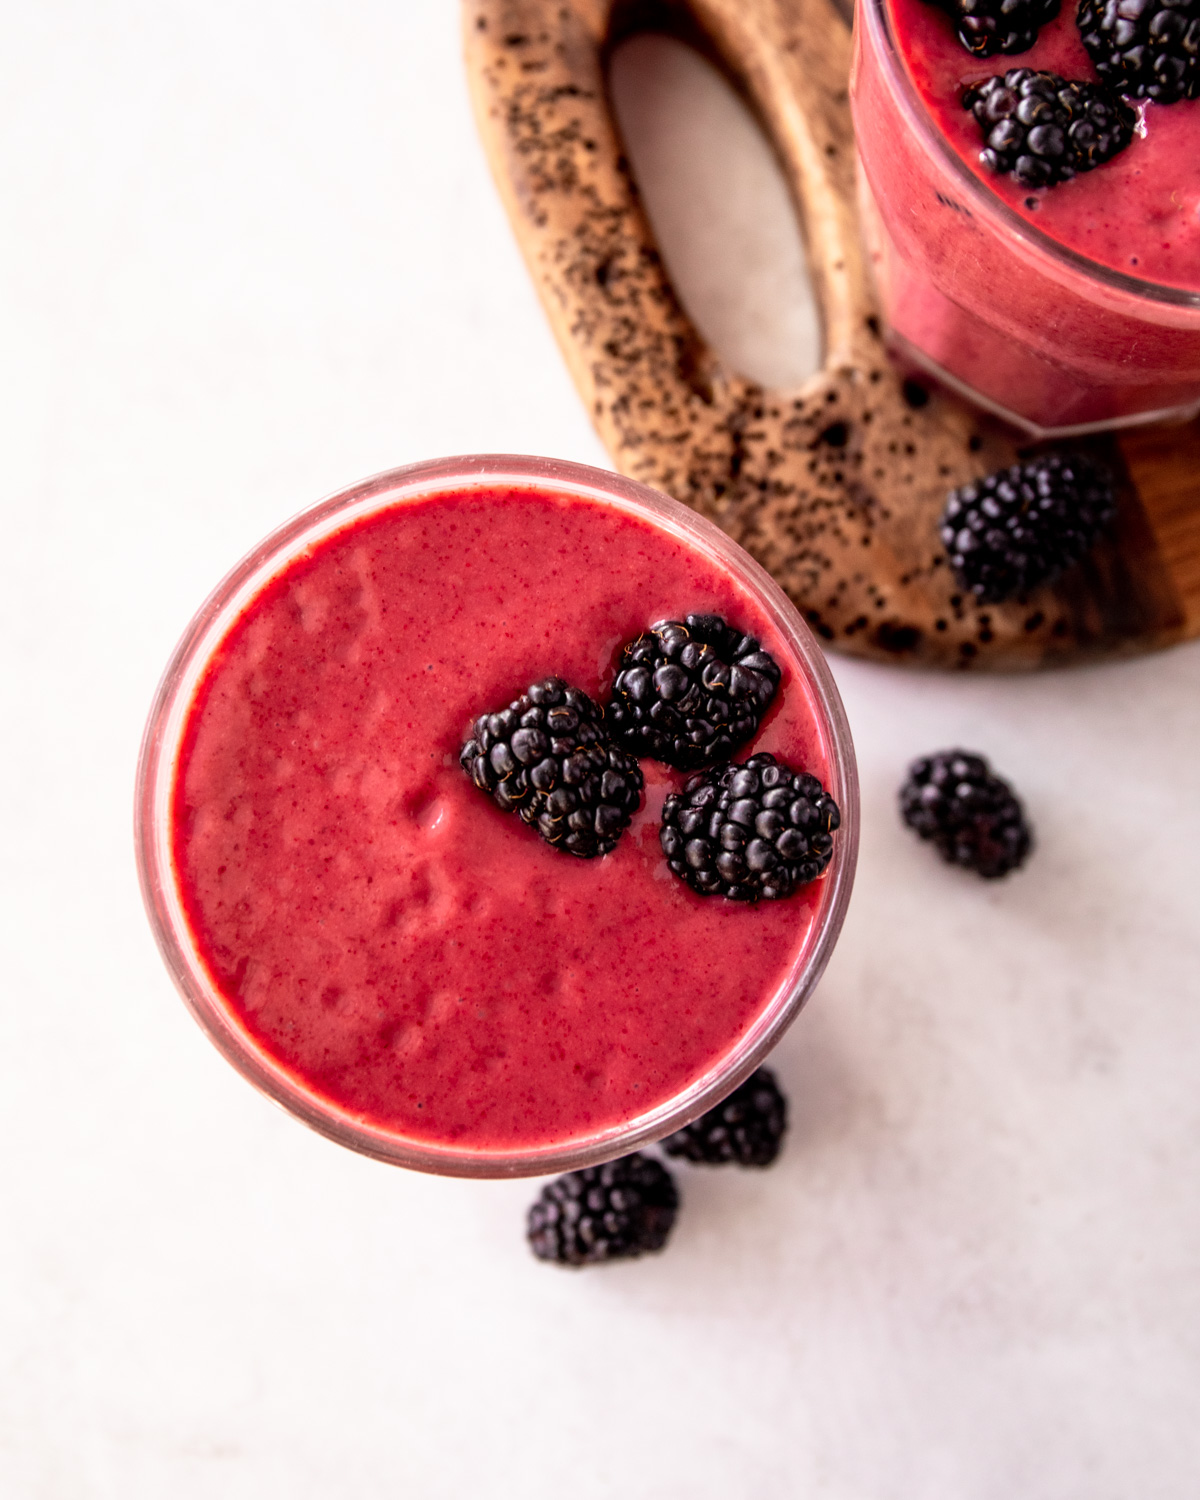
(363, 932)
(1064, 309)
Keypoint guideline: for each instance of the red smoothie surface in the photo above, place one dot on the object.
(405, 950)
(1138, 213)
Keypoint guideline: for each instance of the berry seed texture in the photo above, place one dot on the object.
(750, 832)
(972, 817)
(1145, 49)
(1042, 129)
(1025, 525)
(622, 1209)
(546, 757)
(689, 692)
(746, 1128)
(985, 27)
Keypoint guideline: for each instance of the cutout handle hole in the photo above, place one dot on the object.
(720, 209)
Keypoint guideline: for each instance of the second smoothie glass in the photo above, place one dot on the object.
(991, 305)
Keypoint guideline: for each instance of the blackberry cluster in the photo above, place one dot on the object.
(1023, 526)
(547, 757)
(747, 1128)
(1042, 129)
(1148, 49)
(970, 815)
(986, 27)
(612, 1212)
(749, 832)
(688, 692)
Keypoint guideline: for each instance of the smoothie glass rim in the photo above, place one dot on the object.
(879, 24)
(156, 783)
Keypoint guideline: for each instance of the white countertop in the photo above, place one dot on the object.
(251, 253)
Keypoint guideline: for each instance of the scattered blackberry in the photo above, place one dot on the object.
(1149, 49)
(546, 756)
(970, 815)
(749, 832)
(690, 691)
(1043, 129)
(1025, 525)
(746, 1128)
(612, 1212)
(986, 27)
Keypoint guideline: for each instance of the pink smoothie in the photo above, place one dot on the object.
(407, 952)
(1138, 213)
(1069, 306)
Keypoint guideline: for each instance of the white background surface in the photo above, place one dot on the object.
(249, 254)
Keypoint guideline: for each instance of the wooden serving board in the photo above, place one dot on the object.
(835, 486)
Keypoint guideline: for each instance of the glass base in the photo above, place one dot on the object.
(908, 352)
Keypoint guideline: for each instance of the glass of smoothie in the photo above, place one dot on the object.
(1062, 309)
(368, 937)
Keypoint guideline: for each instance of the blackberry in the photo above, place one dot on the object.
(613, 1212)
(546, 757)
(1025, 525)
(969, 814)
(749, 832)
(986, 27)
(1043, 129)
(1149, 49)
(746, 1128)
(690, 691)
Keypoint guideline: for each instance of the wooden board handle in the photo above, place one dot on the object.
(835, 486)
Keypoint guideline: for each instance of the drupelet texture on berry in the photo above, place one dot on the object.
(1042, 129)
(986, 27)
(746, 1128)
(970, 815)
(616, 1211)
(689, 692)
(547, 758)
(750, 832)
(1023, 526)
(1146, 49)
